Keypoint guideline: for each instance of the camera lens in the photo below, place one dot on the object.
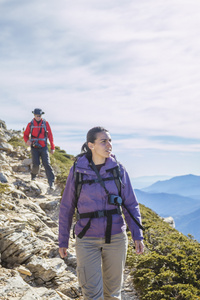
(116, 200)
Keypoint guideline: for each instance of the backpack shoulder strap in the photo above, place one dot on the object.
(79, 180)
(31, 126)
(117, 177)
(44, 123)
(78, 183)
(119, 183)
(78, 186)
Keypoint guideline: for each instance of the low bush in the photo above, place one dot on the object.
(4, 187)
(17, 141)
(61, 163)
(170, 266)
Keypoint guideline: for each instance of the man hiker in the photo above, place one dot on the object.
(39, 130)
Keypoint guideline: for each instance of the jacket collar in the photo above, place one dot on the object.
(83, 165)
(36, 122)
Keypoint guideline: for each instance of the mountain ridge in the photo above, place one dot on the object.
(184, 185)
(159, 202)
(178, 197)
(188, 224)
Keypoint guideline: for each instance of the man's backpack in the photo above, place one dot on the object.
(43, 125)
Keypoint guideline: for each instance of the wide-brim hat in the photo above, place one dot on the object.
(38, 111)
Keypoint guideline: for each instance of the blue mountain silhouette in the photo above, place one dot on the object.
(168, 204)
(189, 224)
(178, 197)
(186, 185)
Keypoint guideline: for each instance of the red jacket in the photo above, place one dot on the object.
(35, 131)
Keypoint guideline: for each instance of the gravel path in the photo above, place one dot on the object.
(128, 291)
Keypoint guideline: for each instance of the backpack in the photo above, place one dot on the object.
(78, 186)
(43, 125)
(79, 181)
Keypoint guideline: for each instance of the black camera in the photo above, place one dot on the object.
(114, 200)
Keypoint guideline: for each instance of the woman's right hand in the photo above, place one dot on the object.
(63, 252)
(139, 247)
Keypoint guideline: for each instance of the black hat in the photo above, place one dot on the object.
(38, 111)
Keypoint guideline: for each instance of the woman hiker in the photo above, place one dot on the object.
(101, 240)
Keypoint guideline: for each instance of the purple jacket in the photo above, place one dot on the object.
(93, 198)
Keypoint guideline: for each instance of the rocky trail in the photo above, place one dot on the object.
(30, 266)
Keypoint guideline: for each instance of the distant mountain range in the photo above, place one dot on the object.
(187, 185)
(178, 197)
(189, 223)
(144, 181)
(168, 204)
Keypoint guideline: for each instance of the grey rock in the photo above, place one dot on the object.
(38, 188)
(3, 139)
(6, 147)
(3, 124)
(20, 168)
(3, 178)
(6, 168)
(2, 156)
(27, 162)
(18, 247)
(12, 286)
(170, 221)
(18, 194)
(46, 269)
(46, 293)
(51, 205)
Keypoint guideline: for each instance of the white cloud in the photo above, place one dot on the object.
(145, 144)
(130, 66)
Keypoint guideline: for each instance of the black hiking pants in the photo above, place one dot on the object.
(44, 154)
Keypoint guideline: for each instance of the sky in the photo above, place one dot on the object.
(130, 66)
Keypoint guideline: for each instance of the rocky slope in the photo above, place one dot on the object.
(30, 266)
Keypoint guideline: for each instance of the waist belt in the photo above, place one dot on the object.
(99, 214)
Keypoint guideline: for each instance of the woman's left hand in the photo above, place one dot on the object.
(139, 247)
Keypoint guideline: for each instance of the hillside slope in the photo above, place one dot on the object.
(170, 266)
(30, 266)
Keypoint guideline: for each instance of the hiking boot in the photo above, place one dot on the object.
(33, 177)
(52, 186)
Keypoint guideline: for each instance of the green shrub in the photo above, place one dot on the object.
(170, 266)
(4, 187)
(61, 163)
(17, 141)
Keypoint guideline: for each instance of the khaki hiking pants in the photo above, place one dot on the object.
(100, 266)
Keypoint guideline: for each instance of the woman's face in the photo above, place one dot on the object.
(101, 148)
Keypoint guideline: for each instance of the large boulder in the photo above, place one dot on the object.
(18, 244)
(46, 269)
(12, 286)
